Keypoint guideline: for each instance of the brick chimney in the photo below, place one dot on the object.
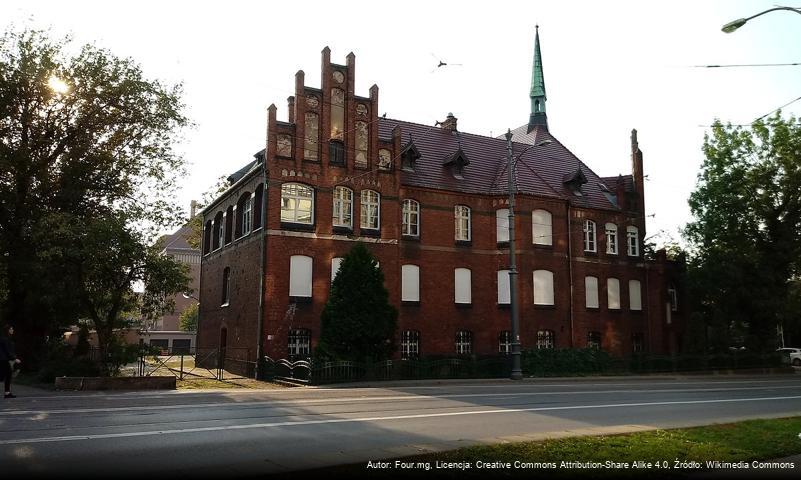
(192, 209)
(449, 123)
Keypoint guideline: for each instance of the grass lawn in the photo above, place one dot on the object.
(743, 441)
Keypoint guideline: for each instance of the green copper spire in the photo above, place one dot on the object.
(537, 94)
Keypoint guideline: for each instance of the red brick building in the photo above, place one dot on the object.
(430, 202)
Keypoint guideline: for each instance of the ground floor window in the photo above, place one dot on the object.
(594, 340)
(410, 344)
(464, 342)
(637, 343)
(545, 339)
(299, 343)
(505, 342)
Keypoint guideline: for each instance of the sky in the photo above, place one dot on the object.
(609, 67)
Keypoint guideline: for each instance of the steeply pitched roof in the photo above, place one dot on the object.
(539, 170)
(177, 239)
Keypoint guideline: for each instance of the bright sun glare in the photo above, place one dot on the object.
(58, 85)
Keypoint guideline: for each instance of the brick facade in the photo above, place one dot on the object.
(435, 251)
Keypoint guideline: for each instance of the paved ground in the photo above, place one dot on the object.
(248, 432)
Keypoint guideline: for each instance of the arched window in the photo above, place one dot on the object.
(337, 114)
(312, 134)
(462, 288)
(611, 238)
(546, 339)
(207, 237)
(543, 287)
(410, 224)
(410, 283)
(410, 344)
(464, 342)
(244, 214)
(633, 241)
(297, 203)
(343, 207)
(502, 225)
(258, 200)
(217, 231)
(635, 295)
(226, 286)
(362, 135)
(461, 217)
(229, 224)
(541, 227)
(612, 294)
(300, 276)
(591, 292)
(371, 210)
(589, 236)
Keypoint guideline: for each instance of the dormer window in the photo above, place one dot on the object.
(574, 181)
(409, 155)
(457, 162)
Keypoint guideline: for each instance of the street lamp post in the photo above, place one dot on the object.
(735, 24)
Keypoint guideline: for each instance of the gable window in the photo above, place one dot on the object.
(673, 298)
(545, 339)
(336, 262)
(612, 294)
(370, 217)
(505, 342)
(591, 292)
(410, 283)
(611, 238)
(343, 207)
(464, 342)
(502, 225)
(362, 133)
(633, 241)
(543, 287)
(504, 297)
(589, 236)
(541, 227)
(410, 225)
(462, 289)
(299, 343)
(461, 218)
(300, 276)
(311, 135)
(635, 298)
(594, 340)
(297, 203)
(226, 287)
(410, 344)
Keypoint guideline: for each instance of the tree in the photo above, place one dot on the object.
(746, 236)
(358, 323)
(86, 161)
(188, 318)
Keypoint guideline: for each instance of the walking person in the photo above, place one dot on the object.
(8, 359)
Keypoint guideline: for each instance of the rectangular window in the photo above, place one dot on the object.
(310, 142)
(545, 339)
(464, 342)
(502, 225)
(370, 210)
(634, 241)
(226, 286)
(461, 216)
(299, 343)
(504, 297)
(410, 283)
(410, 345)
(336, 262)
(673, 298)
(343, 207)
(635, 299)
(637, 342)
(300, 276)
(612, 294)
(247, 216)
(611, 239)
(505, 342)
(297, 203)
(589, 236)
(541, 227)
(362, 134)
(594, 340)
(591, 292)
(462, 291)
(543, 287)
(410, 223)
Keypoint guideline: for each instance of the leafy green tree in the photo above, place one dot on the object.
(188, 318)
(746, 236)
(85, 139)
(358, 323)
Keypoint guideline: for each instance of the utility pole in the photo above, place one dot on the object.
(517, 372)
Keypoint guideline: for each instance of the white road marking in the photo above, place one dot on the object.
(335, 400)
(374, 419)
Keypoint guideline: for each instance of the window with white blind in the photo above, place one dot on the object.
(462, 290)
(635, 298)
(591, 292)
(300, 276)
(504, 296)
(502, 225)
(543, 287)
(541, 227)
(612, 294)
(410, 283)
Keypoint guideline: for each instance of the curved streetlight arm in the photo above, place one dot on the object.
(735, 24)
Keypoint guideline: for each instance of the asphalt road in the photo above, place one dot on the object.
(248, 432)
